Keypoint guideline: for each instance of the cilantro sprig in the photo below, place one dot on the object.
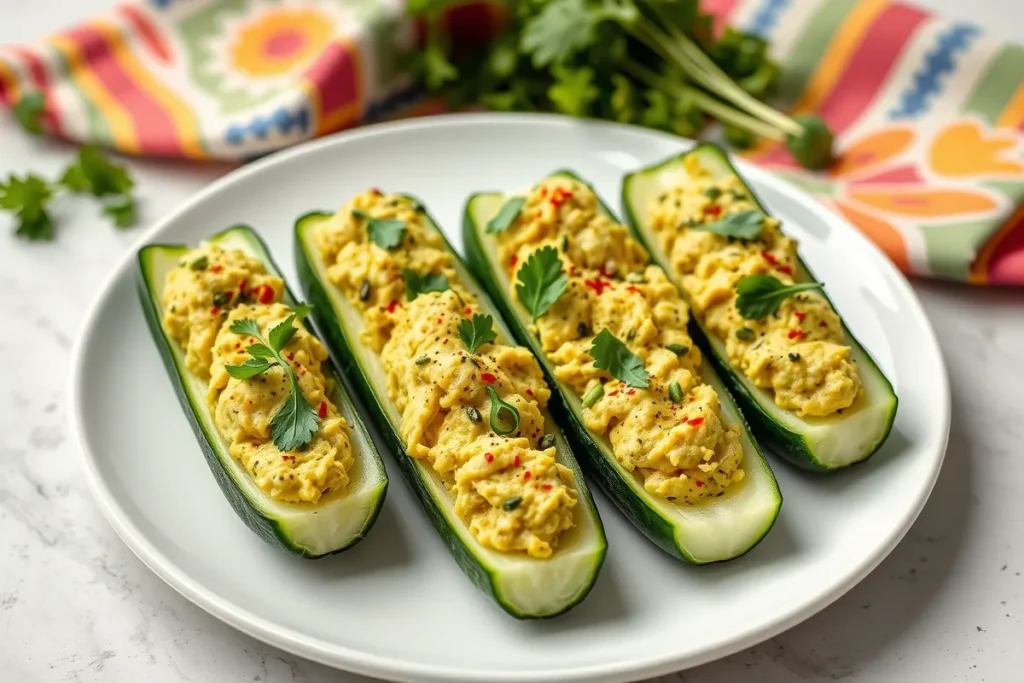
(386, 233)
(744, 225)
(541, 281)
(656, 63)
(416, 284)
(759, 296)
(30, 197)
(295, 422)
(612, 355)
(477, 332)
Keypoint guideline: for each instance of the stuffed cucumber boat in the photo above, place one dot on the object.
(463, 408)
(285, 445)
(658, 428)
(811, 392)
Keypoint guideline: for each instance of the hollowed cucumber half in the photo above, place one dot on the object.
(712, 531)
(523, 586)
(339, 520)
(815, 443)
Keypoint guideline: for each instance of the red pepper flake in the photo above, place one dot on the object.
(513, 261)
(322, 410)
(614, 393)
(439, 320)
(238, 345)
(699, 483)
(489, 457)
(821, 324)
(290, 356)
(216, 268)
(515, 461)
(529, 392)
(488, 377)
(769, 258)
(375, 191)
(631, 289)
(543, 192)
(392, 306)
(527, 474)
(695, 422)
(467, 311)
(559, 196)
(597, 285)
(266, 294)
(214, 311)
(795, 334)
(788, 270)
(630, 392)
(800, 315)
(714, 210)
(241, 286)
(546, 487)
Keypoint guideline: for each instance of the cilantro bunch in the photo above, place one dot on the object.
(654, 63)
(30, 197)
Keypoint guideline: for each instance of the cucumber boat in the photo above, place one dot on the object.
(715, 530)
(814, 443)
(524, 586)
(340, 519)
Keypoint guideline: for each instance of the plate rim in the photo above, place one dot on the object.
(390, 668)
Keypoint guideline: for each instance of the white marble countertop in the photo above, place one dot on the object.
(76, 605)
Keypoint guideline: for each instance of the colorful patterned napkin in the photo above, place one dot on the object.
(928, 113)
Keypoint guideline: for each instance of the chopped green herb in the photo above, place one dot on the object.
(593, 396)
(386, 233)
(678, 349)
(565, 243)
(738, 196)
(500, 408)
(477, 332)
(631, 335)
(416, 284)
(506, 215)
(612, 355)
(712, 193)
(745, 334)
(675, 392)
(761, 295)
(200, 263)
(794, 357)
(512, 503)
(221, 298)
(422, 360)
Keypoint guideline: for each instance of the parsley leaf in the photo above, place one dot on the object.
(612, 355)
(295, 422)
(416, 284)
(507, 215)
(29, 112)
(94, 173)
(121, 211)
(27, 198)
(541, 281)
(386, 233)
(744, 225)
(761, 295)
(478, 332)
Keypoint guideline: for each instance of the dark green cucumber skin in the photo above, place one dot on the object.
(341, 348)
(776, 437)
(265, 527)
(653, 526)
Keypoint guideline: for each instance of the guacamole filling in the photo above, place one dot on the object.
(798, 352)
(507, 488)
(204, 295)
(671, 433)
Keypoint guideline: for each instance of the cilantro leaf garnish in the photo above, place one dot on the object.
(386, 233)
(612, 355)
(28, 110)
(295, 422)
(477, 332)
(744, 225)
(541, 281)
(94, 173)
(416, 284)
(507, 215)
(758, 296)
(27, 198)
(121, 211)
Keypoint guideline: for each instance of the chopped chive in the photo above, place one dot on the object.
(593, 396)
(200, 263)
(678, 349)
(512, 503)
(745, 334)
(546, 442)
(221, 298)
(565, 243)
(794, 357)
(736, 194)
(675, 392)
(712, 193)
(422, 360)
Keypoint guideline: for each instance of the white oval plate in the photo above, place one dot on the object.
(397, 606)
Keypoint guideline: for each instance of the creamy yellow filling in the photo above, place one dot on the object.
(509, 490)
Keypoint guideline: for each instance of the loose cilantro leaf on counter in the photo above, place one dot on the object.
(386, 233)
(612, 355)
(28, 110)
(94, 173)
(758, 296)
(477, 332)
(541, 281)
(506, 215)
(27, 199)
(121, 211)
(745, 225)
(416, 284)
(295, 423)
